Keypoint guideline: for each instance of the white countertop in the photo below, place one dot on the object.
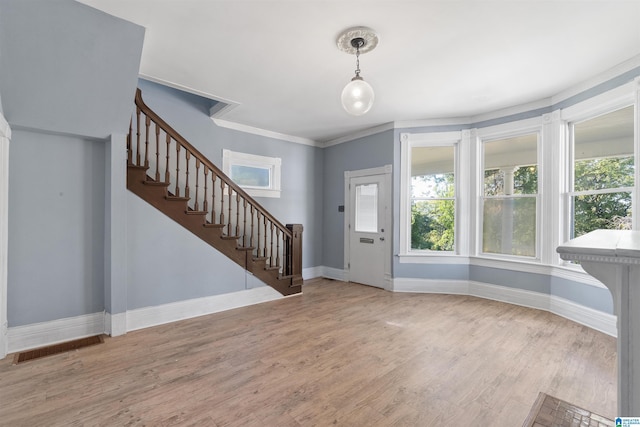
(622, 246)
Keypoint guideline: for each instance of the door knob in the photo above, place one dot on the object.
(382, 238)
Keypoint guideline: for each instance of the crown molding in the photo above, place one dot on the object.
(603, 77)
(264, 132)
(511, 111)
(359, 134)
(454, 121)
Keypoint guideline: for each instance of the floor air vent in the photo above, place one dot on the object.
(38, 353)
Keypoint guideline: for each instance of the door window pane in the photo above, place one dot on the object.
(367, 208)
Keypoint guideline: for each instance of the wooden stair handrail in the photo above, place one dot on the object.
(204, 160)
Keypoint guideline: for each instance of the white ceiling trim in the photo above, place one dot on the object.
(405, 124)
(263, 132)
(611, 73)
(360, 134)
(230, 103)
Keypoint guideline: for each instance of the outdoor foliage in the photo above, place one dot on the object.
(433, 219)
(608, 210)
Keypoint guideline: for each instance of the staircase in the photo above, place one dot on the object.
(170, 174)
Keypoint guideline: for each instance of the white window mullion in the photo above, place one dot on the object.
(405, 199)
(552, 183)
(636, 143)
(464, 194)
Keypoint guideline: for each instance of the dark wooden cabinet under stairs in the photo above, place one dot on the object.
(170, 174)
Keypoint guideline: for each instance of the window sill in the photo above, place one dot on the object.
(432, 258)
(259, 192)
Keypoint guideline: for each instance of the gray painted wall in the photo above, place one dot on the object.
(587, 295)
(302, 165)
(364, 153)
(167, 263)
(67, 68)
(56, 227)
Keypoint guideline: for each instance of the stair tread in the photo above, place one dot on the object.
(245, 248)
(156, 183)
(210, 225)
(177, 198)
(139, 167)
(191, 212)
(272, 268)
(229, 237)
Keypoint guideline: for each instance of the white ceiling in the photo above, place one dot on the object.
(278, 60)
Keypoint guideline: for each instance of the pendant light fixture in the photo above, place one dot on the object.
(357, 96)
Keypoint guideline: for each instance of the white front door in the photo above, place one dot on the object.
(368, 209)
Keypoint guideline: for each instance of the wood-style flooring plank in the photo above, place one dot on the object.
(340, 354)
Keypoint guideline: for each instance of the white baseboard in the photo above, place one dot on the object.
(115, 324)
(430, 286)
(334, 273)
(37, 335)
(160, 314)
(312, 272)
(510, 295)
(595, 319)
(598, 320)
(56, 331)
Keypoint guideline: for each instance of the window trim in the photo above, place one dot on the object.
(607, 102)
(274, 164)
(436, 139)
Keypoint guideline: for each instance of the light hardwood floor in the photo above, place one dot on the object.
(340, 354)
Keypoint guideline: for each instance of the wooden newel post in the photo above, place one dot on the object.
(296, 253)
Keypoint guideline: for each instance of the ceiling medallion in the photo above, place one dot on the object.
(367, 34)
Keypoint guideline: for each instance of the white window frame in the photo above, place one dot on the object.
(618, 98)
(461, 174)
(273, 164)
(506, 131)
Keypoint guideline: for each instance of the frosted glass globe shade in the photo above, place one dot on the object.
(357, 97)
